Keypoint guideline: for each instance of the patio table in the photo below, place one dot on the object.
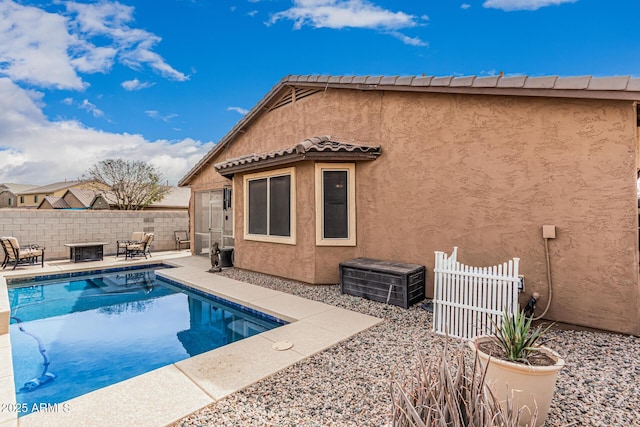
(90, 251)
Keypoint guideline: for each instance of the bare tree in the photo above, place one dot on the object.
(131, 184)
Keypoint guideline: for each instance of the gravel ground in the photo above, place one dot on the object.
(348, 384)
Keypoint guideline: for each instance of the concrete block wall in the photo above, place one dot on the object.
(53, 228)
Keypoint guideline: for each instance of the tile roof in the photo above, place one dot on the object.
(580, 83)
(614, 88)
(320, 147)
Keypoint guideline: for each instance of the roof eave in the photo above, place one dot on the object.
(228, 172)
(257, 109)
(505, 91)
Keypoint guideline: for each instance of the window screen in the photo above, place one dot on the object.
(258, 206)
(280, 206)
(335, 196)
(270, 206)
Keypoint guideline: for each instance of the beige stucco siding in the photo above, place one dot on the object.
(483, 173)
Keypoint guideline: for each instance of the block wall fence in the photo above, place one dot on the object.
(53, 228)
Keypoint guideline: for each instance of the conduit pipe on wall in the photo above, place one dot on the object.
(549, 283)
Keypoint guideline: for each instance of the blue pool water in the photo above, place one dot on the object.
(73, 335)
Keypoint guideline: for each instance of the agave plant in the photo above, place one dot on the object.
(516, 337)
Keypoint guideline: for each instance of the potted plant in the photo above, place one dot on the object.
(519, 370)
(447, 391)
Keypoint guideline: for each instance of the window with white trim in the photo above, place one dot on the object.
(269, 208)
(335, 204)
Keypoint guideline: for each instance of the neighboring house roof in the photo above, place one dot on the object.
(85, 197)
(54, 202)
(318, 148)
(57, 186)
(176, 198)
(103, 198)
(615, 88)
(15, 188)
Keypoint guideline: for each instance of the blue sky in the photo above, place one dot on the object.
(164, 80)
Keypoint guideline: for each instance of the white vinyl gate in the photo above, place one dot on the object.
(467, 298)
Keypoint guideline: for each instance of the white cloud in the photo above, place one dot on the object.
(154, 114)
(67, 101)
(33, 47)
(252, 13)
(413, 41)
(510, 5)
(86, 105)
(465, 6)
(134, 45)
(49, 49)
(240, 110)
(344, 13)
(135, 84)
(39, 151)
(338, 14)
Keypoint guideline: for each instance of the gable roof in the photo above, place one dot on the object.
(55, 202)
(318, 148)
(85, 197)
(50, 188)
(615, 88)
(103, 197)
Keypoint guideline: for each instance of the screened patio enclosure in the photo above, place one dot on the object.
(213, 220)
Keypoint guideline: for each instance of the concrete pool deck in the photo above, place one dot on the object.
(165, 395)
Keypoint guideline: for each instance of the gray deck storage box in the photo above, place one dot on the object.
(385, 281)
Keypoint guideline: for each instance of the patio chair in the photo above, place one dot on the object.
(182, 238)
(121, 245)
(139, 248)
(16, 255)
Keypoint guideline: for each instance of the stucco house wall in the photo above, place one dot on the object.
(481, 172)
(7, 199)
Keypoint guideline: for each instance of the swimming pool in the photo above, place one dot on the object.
(72, 335)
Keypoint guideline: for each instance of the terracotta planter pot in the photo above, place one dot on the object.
(528, 386)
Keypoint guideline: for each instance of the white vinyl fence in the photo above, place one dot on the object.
(467, 298)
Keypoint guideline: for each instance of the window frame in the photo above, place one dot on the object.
(288, 240)
(350, 168)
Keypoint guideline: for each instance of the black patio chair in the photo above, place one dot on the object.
(140, 248)
(16, 255)
(121, 245)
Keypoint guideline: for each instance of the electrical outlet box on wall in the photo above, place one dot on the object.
(549, 231)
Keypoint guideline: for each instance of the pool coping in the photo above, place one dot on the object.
(165, 395)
